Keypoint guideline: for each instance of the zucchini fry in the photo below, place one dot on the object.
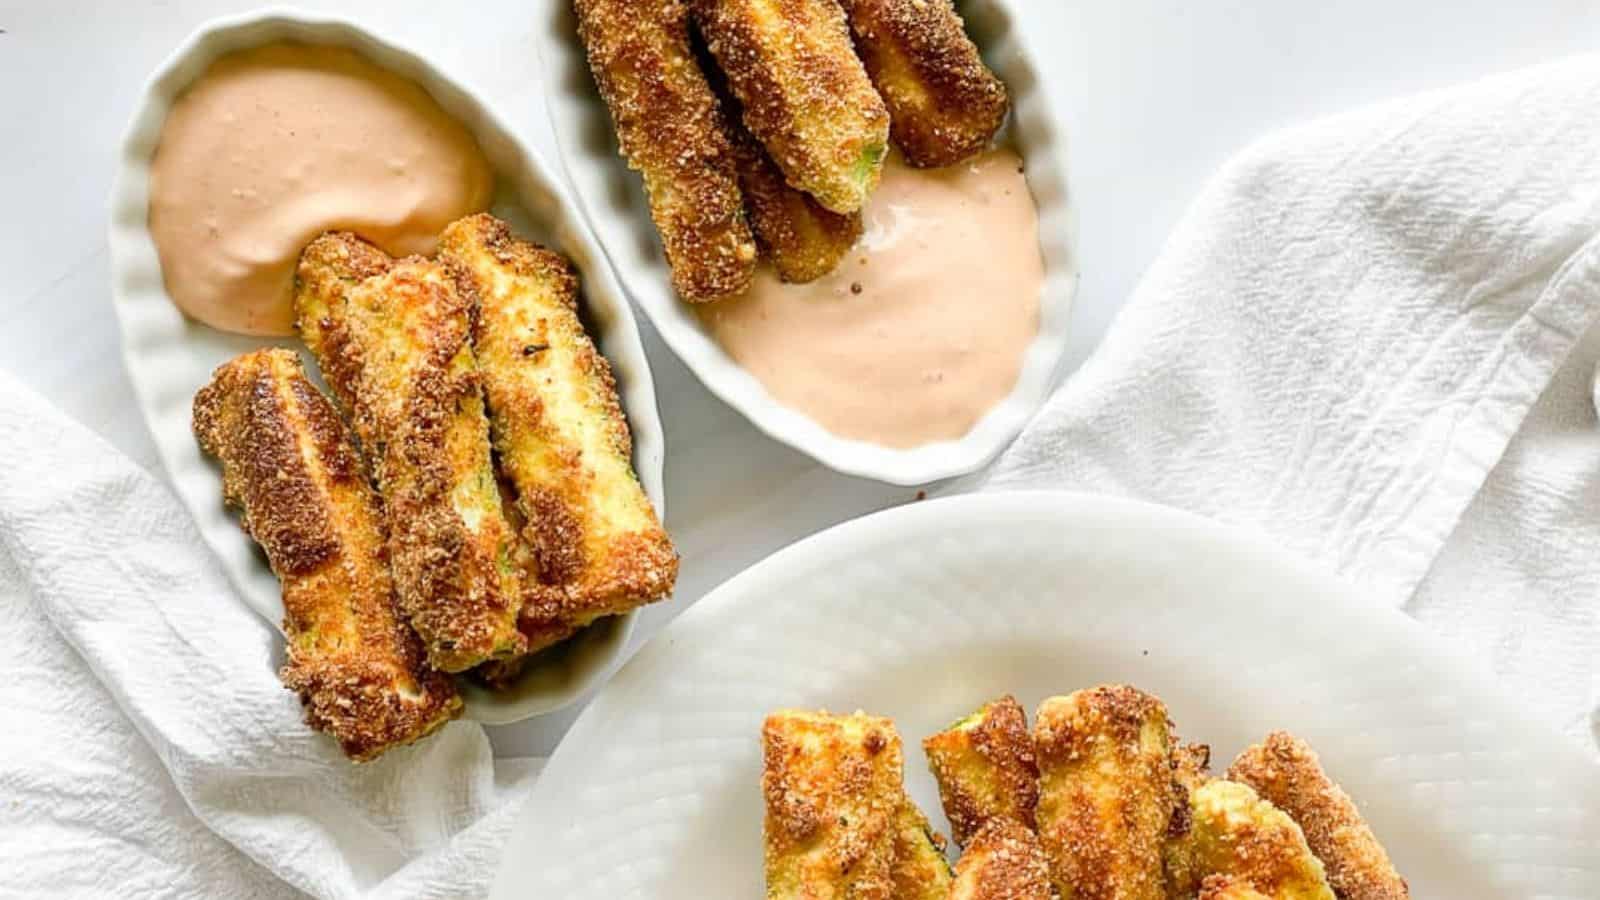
(1285, 772)
(832, 789)
(674, 134)
(919, 870)
(805, 94)
(597, 545)
(393, 339)
(1221, 887)
(289, 467)
(1106, 792)
(1241, 836)
(1190, 770)
(804, 239)
(1002, 862)
(985, 768)
(944, 103)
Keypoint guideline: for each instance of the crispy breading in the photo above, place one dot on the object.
(1003, 861)
(803, 239)
(832, 786)
(1286, 772)
(1241, 836)
(1191, 765)
(597, 545)
(290, 468)
(804, 93)
(985, 768)
(919, 870)
(1221, 887)
(1190, 769)
(392, 338)
(1106, 792)
(944, 104)
(673, 133)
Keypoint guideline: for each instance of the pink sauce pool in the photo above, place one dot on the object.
(921, 330)
(274, 145)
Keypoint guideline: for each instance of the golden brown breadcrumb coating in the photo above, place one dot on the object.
(832, 786)
(1237, 834)
(289, 467)
(804, 239)
(393, 339)
(559, 433)
(1221, 887)
(673, 133)
(985, 768)
(1191, 765)
(1106, 792)
(1286, 772)
(804, 93)
(919, 870)
(1003, 861)
(944, 104)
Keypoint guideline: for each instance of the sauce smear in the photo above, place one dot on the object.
(922, 328)
(274, 145)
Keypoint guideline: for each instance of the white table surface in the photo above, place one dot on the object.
(1154, 94)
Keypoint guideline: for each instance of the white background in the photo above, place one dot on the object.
(1153, 96)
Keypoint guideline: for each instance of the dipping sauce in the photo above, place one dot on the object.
(274, 145)
(922, 328)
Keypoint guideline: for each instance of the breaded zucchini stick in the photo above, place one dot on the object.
(1106, 792)
(674, 134)
(393, 339)
(919, 870)
(805, 95)
(944, 103)
(289, 467)
(985, 768)
(832, 789)
(1190, 769)
(1003, 861)
(1285, 771)
(1239, 835)
(1221, 887)
(563, 444)
(804, 239)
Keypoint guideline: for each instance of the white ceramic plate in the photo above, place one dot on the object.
(923, 612)
(169, 356)
(613, 199)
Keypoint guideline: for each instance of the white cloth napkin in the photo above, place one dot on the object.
(1345, 344)
(148, 748)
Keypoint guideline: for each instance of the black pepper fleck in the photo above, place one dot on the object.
(855, 287)
(531, 349)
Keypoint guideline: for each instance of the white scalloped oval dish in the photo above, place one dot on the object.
(169, 356)
(612, 197)
(923, 612)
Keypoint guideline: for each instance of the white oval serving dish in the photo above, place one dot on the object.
(169, 356)
(613, 199)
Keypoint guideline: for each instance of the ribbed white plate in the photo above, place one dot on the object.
(169, 357)
(613, 200)
(923, 612)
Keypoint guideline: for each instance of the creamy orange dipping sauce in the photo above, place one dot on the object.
(274, 145)
(921, 330)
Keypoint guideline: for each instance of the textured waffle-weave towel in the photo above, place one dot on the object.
(1371, 339)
